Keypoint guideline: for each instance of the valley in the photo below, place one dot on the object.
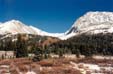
(86, 48)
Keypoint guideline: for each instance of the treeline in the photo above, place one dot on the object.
(84, 44)
(22, 44)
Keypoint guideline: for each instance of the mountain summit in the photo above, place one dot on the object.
(15, 27)
(93, 23)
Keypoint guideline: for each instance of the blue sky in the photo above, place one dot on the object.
(50, 15)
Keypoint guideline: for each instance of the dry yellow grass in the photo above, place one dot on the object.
(50, 66)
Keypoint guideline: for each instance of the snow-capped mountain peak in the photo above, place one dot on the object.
(15, 27)
(93, 22)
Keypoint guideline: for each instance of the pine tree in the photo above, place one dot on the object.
(21, 47)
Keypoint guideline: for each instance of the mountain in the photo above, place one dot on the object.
(93, 23)
(90, 23)
(16, 27)
(91, 34)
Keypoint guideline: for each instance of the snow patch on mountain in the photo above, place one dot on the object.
(110, 30)
(43, 33)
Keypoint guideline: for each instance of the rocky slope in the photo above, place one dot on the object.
(93, 23)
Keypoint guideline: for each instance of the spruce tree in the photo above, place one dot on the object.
(21, 47)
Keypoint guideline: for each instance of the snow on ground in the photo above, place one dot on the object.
(92, 68)
(103, 57)
(30, 72)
